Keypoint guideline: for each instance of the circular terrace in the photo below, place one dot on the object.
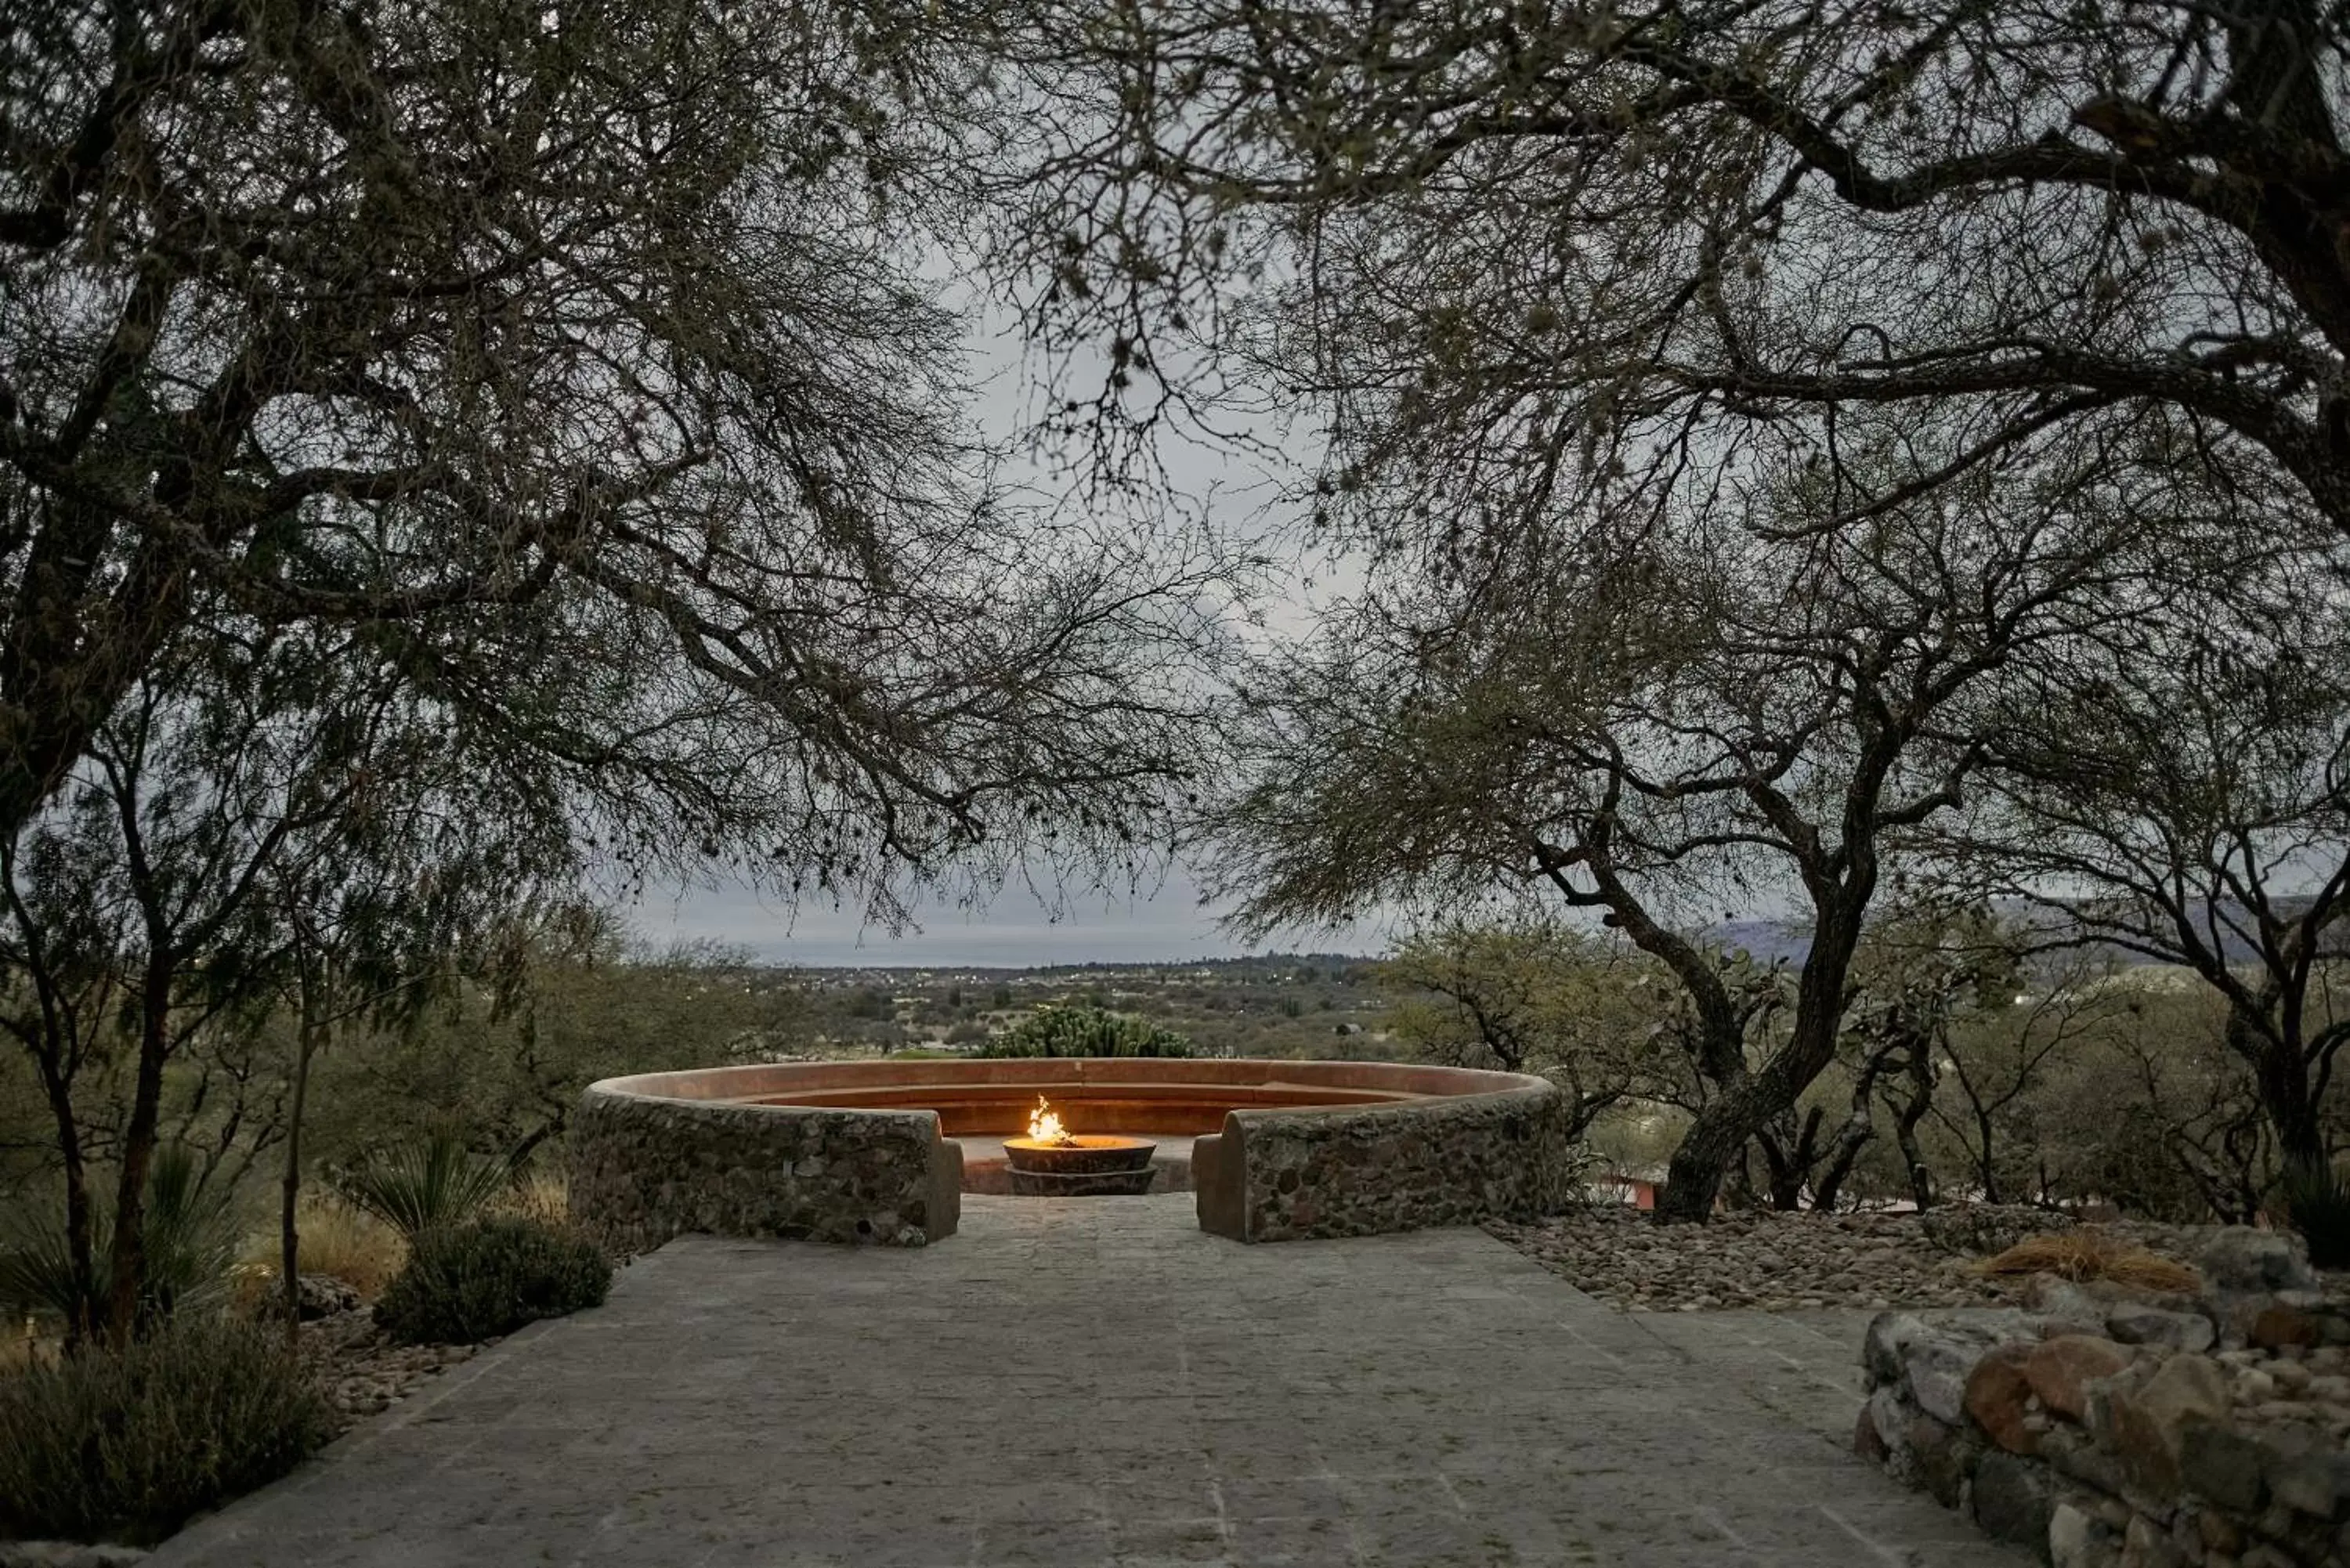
(882, 1151)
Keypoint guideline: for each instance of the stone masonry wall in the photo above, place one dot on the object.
(644, 1170)
(1438, 1161)
(2107, 1428)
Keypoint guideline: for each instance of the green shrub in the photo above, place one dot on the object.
(479, 1281)
(126, 1444)
(1060, 1030)
(427, 1186)
(2317, 1202)
(188, 1247)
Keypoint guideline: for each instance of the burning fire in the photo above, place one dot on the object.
(1045, 1126)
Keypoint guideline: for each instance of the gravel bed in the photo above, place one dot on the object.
(1775, 1262)
(362, 1371)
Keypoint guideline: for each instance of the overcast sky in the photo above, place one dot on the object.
(1015, 931)
(1237, 487)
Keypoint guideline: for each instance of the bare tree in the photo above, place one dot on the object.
(584, 362)
(1652, 719)
(1520, 246)
(2188, 800)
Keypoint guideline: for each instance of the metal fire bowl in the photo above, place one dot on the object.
(1087, 1155)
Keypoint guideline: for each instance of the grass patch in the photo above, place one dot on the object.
(2091, 1254)
(337, 1239)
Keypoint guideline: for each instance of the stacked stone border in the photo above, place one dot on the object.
(2109, 1428)
(1292, 1175)
(865, 1152)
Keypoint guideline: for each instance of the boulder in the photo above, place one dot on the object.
(2302, 1474)
(1880, 1345)
(2013, 1497)
(2222, 1465)
(2132, 1324)
(2144, 1545)
(1931, 1353)
(2146, 1425)
(1940, 1456)
(66, 1554)
(2077, 1541)
(1867, 1440)
(323, 1295)
(1888, 1413)
(2059, 1306)
(2240, 1258)
(2274, 1327)
(2059, 1371)
(1997, 1394)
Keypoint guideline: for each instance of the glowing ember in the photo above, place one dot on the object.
(1045, 1126)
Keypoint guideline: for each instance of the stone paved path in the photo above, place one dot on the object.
(1072, 1383)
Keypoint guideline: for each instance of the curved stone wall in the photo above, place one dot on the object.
(865, 1151)
(1502, 1151)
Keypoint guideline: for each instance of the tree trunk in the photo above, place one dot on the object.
(1920, 1070)
(1693, 1177)
(82, 1319)
(289, 1250)
(127, 1257)
(2283, 1079)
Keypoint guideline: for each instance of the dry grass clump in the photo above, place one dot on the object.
(2091, 1254)
(542, 1197)
(337, 1239)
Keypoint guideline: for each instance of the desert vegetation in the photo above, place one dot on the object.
(1880, 475)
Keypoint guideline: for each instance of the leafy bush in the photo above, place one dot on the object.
(476, 1282)
(2317, 1202)
(425, 1186)
(1060, 1030)
(126, 1444)
(188, 1248)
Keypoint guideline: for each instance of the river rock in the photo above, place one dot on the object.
(1997, 1394)
(2241, 1259)
(2133, 1323)
(2013, 1497)
(2146, 1425)
(2059, 1371)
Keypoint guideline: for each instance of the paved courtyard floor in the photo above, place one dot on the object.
(1081, 1382)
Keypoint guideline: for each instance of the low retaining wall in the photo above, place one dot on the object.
(864, 1151)
(2105, 1427)
(1288, 1175)
(646, 1166)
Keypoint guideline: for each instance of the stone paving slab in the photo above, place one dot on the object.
(1073, 1383)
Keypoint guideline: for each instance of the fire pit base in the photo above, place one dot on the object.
(1090, 1165)
(1081, 1183)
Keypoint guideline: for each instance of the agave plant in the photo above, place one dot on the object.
(425, 1186)
(2317, 1202)
(189, 1246)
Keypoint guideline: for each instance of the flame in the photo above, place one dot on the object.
(1045, 1126)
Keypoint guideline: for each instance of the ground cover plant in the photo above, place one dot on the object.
(477, 1280)
(125, 1442)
